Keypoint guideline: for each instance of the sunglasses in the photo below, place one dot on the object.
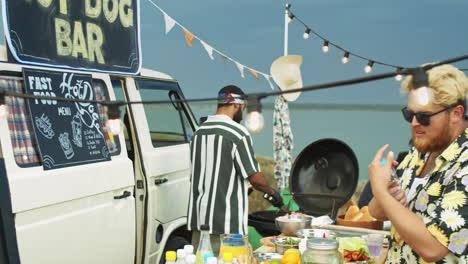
(423, 118)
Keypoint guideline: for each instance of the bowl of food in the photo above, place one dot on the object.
(289, 224)
(356, 217)
(284, 243)
(316, 233)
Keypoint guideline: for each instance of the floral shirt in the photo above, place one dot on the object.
(441, 200)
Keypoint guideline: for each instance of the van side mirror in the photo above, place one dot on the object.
(203, 119)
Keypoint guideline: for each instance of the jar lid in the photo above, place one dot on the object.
(322, 243)
(171, 255)
(235, 240)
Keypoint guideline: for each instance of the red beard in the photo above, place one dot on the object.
(433, 142)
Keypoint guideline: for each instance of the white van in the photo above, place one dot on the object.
(125, 210)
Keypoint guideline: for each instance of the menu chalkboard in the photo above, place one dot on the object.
(68, 133)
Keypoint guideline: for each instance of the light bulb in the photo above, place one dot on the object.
(290, 18)
(345, 58)
(3, 111)
(114, 126)
(307, 33)
(399, 76)
(423, 95)
(255, 121)
(368, 67)
(325, 46)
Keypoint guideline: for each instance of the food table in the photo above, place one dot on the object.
(381, 259)
(344, 231)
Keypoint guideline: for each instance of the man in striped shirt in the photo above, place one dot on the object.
(223, 163)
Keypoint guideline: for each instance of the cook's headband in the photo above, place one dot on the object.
(230, 98)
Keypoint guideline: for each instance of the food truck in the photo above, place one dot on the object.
(73, 190)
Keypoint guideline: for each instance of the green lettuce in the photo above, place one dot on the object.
(354, 244)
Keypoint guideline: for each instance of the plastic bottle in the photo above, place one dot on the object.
(188, 250)
(190, 259)
(180, 256)
(206, 257)
(212, 260)
(171, 257)
(204, 246)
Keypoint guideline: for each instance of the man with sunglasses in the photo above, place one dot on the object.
(430, 214)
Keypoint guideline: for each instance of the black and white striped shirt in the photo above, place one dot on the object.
(222, 158)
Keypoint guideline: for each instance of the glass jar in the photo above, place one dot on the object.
(322, 251)
(238, 245)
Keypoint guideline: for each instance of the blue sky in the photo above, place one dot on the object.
(406, 33)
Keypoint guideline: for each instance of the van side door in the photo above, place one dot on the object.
(163, 133)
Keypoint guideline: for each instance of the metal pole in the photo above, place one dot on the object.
(286, 26)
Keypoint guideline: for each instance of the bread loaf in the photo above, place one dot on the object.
(353, 210)
(366, 215)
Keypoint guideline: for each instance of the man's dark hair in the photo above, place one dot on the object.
(229, 89)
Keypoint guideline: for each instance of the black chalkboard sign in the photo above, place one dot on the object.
(67, 133)
(100, 35)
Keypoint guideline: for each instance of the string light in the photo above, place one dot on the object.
(423, 95)
(345, 58)
(254, 121)
(307, 33)
(328, 43)
(290, 17)
(420, 78)
(368, 67)
(113, 123)
(399, 77)
(3, 107)
(325, 46)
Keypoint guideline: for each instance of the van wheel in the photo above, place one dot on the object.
(173, 244)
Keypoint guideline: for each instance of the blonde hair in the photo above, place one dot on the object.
(448, 84)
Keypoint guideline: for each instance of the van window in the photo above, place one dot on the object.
(24, 144)
(19, 124)
(167, 122)
(118, 86)
(101, 93)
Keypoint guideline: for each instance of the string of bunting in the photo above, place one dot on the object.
(346, 52)
(210, 50)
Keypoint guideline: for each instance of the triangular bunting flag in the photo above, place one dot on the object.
(169, 22)
(254, 73)
(189, 37)
(240, 67)
(208, 49)
(224, 60)
(267, 77)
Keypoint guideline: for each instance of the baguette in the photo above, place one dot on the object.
(357, 217)
(352, 212)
